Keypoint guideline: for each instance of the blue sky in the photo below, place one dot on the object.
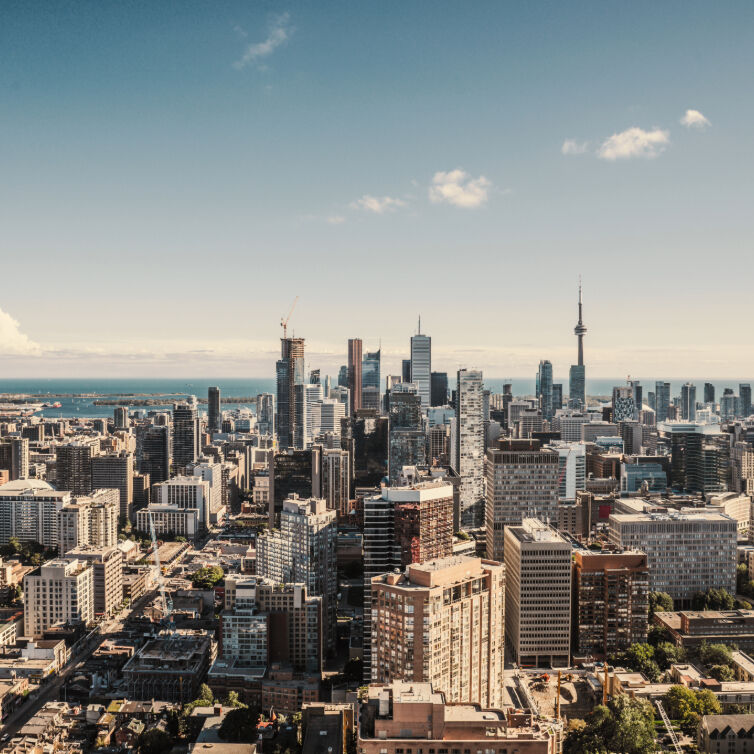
(173, 174)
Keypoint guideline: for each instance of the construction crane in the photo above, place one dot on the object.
(167, 602)
(284, 322)
(669, 727)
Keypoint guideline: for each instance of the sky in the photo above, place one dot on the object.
(174, 174)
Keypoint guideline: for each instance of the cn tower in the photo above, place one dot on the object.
(580, 330)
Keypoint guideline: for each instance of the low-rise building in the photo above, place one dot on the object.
(689, 628)
(726, 734)
(401, 717)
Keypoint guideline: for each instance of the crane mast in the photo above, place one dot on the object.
(167, 602)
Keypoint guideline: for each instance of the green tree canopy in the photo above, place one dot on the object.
(722, 672)
(625, 725)
(240, 725)
(715, 654)
(660, 602)
(207, 577)
(154, 741)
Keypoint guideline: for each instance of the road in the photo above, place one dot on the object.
(51, 689)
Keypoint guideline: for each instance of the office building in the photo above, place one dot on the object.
(186, 438)
(469, 447)
(407, 438)
(662, 401)
(354, 372)
(214, 410)
(212, 473)
(303, 551)
(557, 397)
(700, 456)
(107, 576)
(571, 469)
(439, 389)
(365, 437)
(169, 520)
(421, 365)
(744, 397)
(370, 370)
(522, 482)
(624, 408)
(186, 492)
(709, 393)
(293, 473)
(29, 511)
(414, 717)
(331, 414)
(610, 601)
(154, 451)
(116, 471)
(73, 467)
(544, 390)
(60, 591)
(266, 414)
(688, 551)
(688, 402)
(537, 595)
(577, 376)
(650, 476)
(290, 372)
(14, 457)
(442, 622)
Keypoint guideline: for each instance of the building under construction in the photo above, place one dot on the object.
(170, 667)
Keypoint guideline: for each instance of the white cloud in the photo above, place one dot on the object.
(634, 142)
(377, 204)
(457, 187)
(279, 33)
(336, 219)
(694, 119)
(571, 146)
(12, 340)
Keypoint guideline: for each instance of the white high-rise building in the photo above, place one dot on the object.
(421, 366)
(89, 521)
(186, 492)
(313, 395)
(60, 591)
(212, 473)
(331, 412)
(29, 511)
(572, 469)
(469, 447)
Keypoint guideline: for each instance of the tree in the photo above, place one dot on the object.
(660, 602)
(206, 696)
(240, 725)
(154, 741)
(657, 634)
(688, 706)
(14, 544)
(713, 599)
(207, 577)
(715, 654)
(667, 654)
(721, 672)
(679, 702)
(625, 725)
(641, 658)
(233, 700)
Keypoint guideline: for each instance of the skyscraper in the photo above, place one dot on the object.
(744, 396)
(407, 440)
(406, 370)
(266, 413)
(370, 369)
(421, 365)
(662, 400)
(544, 389)
(577, 378)
(290, 372)
(153, 451)
(214, 414)
(185, 432)
(439, 388)
(688, 402)
(469, 447)
(709, 392)
(624, 408)
(354, 372)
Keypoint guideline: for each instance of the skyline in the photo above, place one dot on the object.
(168, 191)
